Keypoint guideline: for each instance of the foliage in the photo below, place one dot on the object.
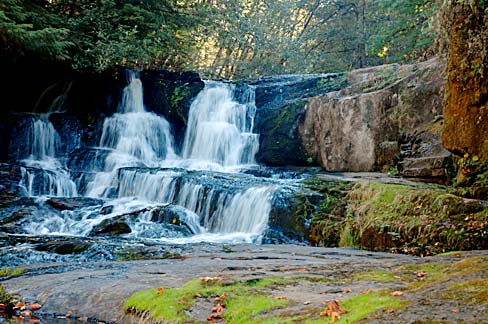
(27, 27)
(233, 39)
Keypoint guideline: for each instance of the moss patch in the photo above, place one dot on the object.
(326, 216)
(413, 220)
(244, 303)
(7, 272)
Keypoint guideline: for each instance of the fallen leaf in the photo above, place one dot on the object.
(35, 306)
(367, 291)
(457, 255)
(220, 298)
(390, 310)
(83, 319)
(68, 314)
(420, 274)
(397, 293)
(3, 306)
(160, 291)
(455, 311)
(26, 313)
(20, 305)
(281, 297)
(333, 310)
(397, 277)
(33, 319)
(301, 270)
(347, 291)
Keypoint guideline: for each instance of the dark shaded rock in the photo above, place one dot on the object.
(280, 142)
(274, 92)
(105, 210)
(73, 203)
(111, 226)
(170, 94)
(88, 160)
(64, 247)
(280, 110)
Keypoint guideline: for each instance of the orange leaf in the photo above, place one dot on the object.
(83, 319)
(455, 311)
(333, 310)
(420, 274)
(160, 291)
(68, 314)
(19, 305)
(397, 293)
(35, 306)
(347, 291)
(390, 310)
(301, 270)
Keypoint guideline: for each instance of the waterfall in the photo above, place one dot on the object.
(219, 128)
(146, 184)
(42, 173)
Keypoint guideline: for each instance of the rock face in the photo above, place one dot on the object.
(362, 127)
(170, 94)
(466, 96)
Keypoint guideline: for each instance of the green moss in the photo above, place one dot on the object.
(5, 298)
(415, 220)
(6, 272)
(470, 292)
(376, 276)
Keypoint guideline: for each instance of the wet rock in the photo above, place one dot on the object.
(111, 226)
(72, 203)
(64, 247)
(170, 94)
(280, 142)
(88, 160)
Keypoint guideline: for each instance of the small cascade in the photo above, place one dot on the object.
(135, 136)
(220, 128)
(42, 173)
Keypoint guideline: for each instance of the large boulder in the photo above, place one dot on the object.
(360, 128)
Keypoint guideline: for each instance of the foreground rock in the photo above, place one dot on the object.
(315, 276)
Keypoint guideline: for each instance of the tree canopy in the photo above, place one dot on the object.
(232, 38)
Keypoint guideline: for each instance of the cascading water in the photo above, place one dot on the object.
(135, 136)
(42, 173)
(144, 182)
(220, 128)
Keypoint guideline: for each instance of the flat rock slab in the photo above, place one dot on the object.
(99, 289)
